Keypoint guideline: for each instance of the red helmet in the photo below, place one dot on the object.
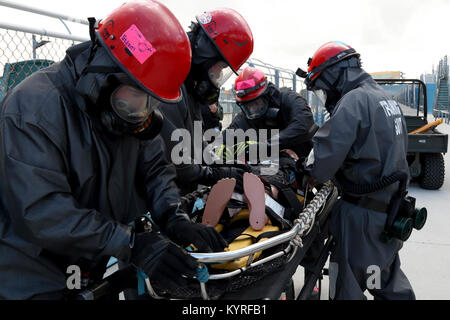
(327, 55)
(250, 84)
(148, 43)
(231, 35)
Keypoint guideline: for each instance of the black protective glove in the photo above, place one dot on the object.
(162, 260)
(303, 174)
(204, 238)
(300, 167)
(214, 174)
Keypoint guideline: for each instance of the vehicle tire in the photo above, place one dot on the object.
(433, 171)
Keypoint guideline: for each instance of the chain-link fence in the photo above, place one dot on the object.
(282, 78)
(285, 78)
(23, 53)
(24, 50)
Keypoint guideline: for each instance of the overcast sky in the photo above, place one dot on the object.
(404, 35)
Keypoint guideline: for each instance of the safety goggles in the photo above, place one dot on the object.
(132, 104)
(219, 73)
(255, 109)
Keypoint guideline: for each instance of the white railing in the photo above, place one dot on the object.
(39, 11)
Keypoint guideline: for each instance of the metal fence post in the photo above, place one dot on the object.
(277, 78)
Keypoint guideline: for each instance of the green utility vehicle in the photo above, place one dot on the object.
(425, 148)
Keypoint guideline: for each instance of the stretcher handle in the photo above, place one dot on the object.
(226, 256)
(312, 208)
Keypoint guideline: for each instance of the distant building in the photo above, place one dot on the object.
(428, 78)
(387, 75)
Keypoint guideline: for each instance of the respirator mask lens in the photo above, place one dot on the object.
(321, 96)
(132, 104)
(255, 109)
(219, 73)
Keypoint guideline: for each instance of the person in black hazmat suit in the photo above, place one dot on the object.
(79, 161)
(264, 106)
(364, 140)
(212, 116)
(221, 42)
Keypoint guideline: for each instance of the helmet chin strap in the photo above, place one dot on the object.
(92, 26)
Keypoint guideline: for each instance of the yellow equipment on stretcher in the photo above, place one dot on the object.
(244, 240)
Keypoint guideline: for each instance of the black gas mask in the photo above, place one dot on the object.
(325, 90)
(126, 109)
(260, 113)
(210, 76)
(333, 82)
(263, 111)
(209, 71)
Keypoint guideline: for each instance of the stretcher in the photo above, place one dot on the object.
(264, 269)
(253, 270)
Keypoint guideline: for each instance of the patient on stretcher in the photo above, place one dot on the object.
(255, 215)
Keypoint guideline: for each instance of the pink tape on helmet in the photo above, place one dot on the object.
(259, 75)
(136, 43)
(245, 84)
